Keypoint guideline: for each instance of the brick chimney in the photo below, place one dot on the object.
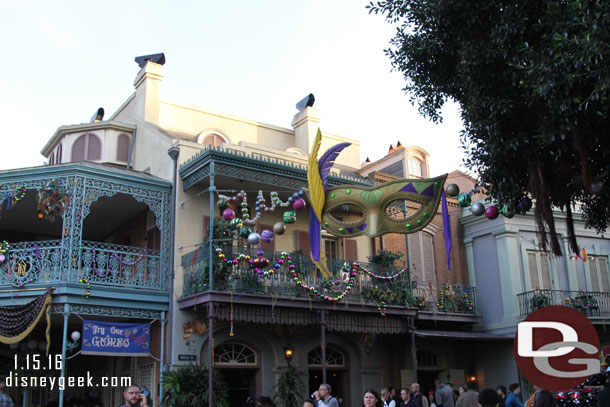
(147, 84)
(305, 125)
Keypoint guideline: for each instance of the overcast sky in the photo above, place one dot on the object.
(61, 60)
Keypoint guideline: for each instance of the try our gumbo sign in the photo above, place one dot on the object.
(115, 338)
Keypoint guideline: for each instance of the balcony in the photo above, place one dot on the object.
(240, 279)
(593, 304)
(102, 264)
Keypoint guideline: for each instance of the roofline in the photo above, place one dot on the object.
(62, 130)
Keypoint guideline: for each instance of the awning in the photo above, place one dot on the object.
(461, 335)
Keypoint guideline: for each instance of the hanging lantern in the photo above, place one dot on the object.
(290, 217)
(464, 200)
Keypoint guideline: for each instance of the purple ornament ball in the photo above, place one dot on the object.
(298, 204)
(228, 214)
(267, 236)
(492, 212)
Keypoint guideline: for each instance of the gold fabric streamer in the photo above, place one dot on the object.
(316, 188)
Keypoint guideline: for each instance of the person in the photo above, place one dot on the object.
(512, 400)
(470, 398)
(501, 390)
(323, 396)
(385, 397)
(443, 394)
(431, 399)
(488, 398)
(5, 399)
(455, 392)
(309, 403)
(405, 399)
(265, 401)
(393, 395)
(371, 399)
(545, 399)
(461, 390)
(133, 397)
(418, 398)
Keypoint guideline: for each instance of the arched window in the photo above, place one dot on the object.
(213, 140)
(58, 154)
(52, 159)
(334, 357)
(415, 167)
(122, 148)
(87, 147)
(234, 354)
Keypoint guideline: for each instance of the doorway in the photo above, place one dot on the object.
(336, 380)
(241, 384)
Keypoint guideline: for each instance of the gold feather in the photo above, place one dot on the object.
(316, 188)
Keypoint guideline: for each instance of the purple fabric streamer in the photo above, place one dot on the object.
(315, 235)
(447, 229)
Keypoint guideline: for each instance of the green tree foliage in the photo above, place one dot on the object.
(187, 386)
(289, 389)
(532, 79)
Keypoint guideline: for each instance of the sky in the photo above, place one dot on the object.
(62, 60)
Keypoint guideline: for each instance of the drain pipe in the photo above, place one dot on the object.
(133, 140)
(173, 152)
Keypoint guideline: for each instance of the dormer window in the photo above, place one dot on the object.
(87, 147)
(122, 149)
(213, 140)
(58, 154)
(415, 167)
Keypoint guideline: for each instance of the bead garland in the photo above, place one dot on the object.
(88, 293)
(392, 277)
(4, 248)
(284, 258)
(261, 204)
(382, 308)
(320, 294)
(22, 284)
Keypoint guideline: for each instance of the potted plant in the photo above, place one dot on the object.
(289, 389)
(187, 386)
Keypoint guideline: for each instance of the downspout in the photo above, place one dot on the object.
(210, 305)
(173, 152)
(133, 140)
(162, 362)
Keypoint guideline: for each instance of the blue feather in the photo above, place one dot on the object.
(314, 235)
(327, 160)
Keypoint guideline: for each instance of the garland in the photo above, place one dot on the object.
(83, 281)
(261, 203)
(392, 277)
(13, 198)
(318, 293)
(4, 248)
(22, 284)
(259, 266)
(382, 308)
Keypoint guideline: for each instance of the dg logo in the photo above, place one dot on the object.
(556, 348)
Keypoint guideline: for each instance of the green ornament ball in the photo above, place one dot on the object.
(236, 223)
(244, 232)
(290, 217)
(464, 200)
(508, 211)
(222, 204)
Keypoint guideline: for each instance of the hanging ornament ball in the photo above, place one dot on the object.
(228, 214)
(290, 217)
(508, 211)
(267, 236)
(254, 238)
(236, 223)
(477, 209)
(244, 232)
(279, 228)
(492, 212)
(2, 258)
(525, 204)
(222, 204)
(260, 262)
(453, 190)
(464, 200)
(299, 204)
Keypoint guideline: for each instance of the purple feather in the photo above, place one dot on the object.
(327, 160)
(314, 235)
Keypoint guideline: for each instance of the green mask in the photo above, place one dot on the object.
(373, 211)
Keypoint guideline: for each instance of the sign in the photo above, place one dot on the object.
(557, 348)
(187, 358)
(115, 338)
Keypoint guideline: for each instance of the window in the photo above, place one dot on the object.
(598, 271)
(334, 357)
(52, 159)
(232, 354)
(421, 257)
(122, 148)
(330, 248)
(415, 167)
(87, 147)
(426, 359)
(58, 154)
(213, 140)
(540, 270)
(146, 378)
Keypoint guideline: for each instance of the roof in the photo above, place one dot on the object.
(82, 127)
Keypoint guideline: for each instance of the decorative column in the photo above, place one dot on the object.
(510, 277)
(472, 280)
(71, 238)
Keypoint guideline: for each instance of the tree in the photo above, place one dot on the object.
(187, 386)
(532, 79)
(289, 389)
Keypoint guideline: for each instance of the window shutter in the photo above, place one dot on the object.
(206, 225)
(545, 271)
(533, 267)
(593, 274)
(415, 260)
(78, 149)
(350, 247)
(266, 246)
(603, 272)
(60, 152)
(122, 149)
(428, 256)
(94, 148)
(52, 159)
(303, 242)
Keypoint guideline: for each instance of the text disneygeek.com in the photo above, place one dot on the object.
(60, 383)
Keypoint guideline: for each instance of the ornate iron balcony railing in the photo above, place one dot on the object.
(240, 278)
(99, 263)
(591, 303)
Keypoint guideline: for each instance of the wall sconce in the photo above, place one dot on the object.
(75, 335)
(473, 379)
(288, 352)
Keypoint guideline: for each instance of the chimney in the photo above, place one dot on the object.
(147, 84)
(305, 125)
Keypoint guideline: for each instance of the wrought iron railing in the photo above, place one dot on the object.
(591, 303)
(97, 262)
(241, 278)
